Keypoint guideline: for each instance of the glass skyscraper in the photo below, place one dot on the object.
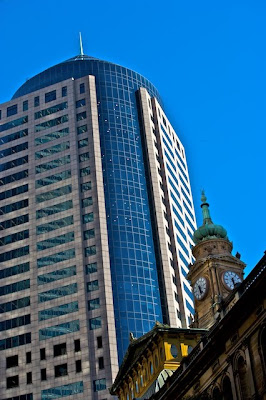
(96, 219)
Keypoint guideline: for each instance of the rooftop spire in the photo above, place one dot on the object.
(80, 45)
(205, 209)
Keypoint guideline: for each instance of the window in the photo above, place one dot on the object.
(85, 186)
(58, 330)
(43, 374)
(25, 105)
(42, 353)
(64, 190)
(82, 129)
(78, 366)
(51, 110)
(15, 287)
(99, 342)
(29, 378)
(50, 96)
(12, 382)
(62, 391)
(95, 323)
(91, 268)
(15, 270)
(83, 143)
(101, 362)
(13, 136)
(99, 384)
(55, 241)
(57, 292)
(13, 124)
(81, 116)
(93, 304)
(14, 177)
(12, 361)
(84, 157)
(52, 150)
(60, 349)
(12, 254)
(14, 206)
(51, 123)
(28, 357)
(90, 251)
(80, 103)
(15, 341)
(14, 322)
(93, 285)
(86, 203)
(14, 163)
(64, 91)
(60, 370)
(86, 218)
(56, 258)
(14, 192)
(12, 110)
(51, 136)
(89, 234)
(57, 311)
(76, 345)
(54, 209)
(56, 275)
(15, 304)
(15, 149)
(49, 180)
(82, 88)
(52, 164)
(10, 223)
(53, 225)
(14, 237)
(36, 101)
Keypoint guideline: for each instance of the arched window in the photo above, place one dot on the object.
(227, 389)
(243, 378)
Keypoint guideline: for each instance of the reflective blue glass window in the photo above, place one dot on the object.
(52, 150)
(15, 341)
(99, 384)
(82, 129)
(56, 258)
(80, 103)
(49, 180)
(14, 322)
(57, 292)
(51, 136)
(64, 91)
(95, 323)
(15, 270)
(14, 222)
(50, 124)
(82, 88)
(12, 110)
(14, 177)
(57, 311)
(36, 101)
(62, 191)
(13, 136)
(14, 149)
(81, 116)
(13, 163)
(54, 224)
(25, 105)
(56, 275)
(15, 287)
(89, 234)
(92, 286)
(14, 237)
(53, 209)
(50, 96)
(86, 218)
(58, 330)
(50, 110)
(62, 391)
(83, 143)
(84, 157)
(13, 192)
(52, 164)
(87, 202)
(85, 171)
(10, 255)
(93, 304)
(13, 124)
(90, 251)
(91, 268)
(15, 304)
(55, 241)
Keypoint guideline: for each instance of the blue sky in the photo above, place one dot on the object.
(207, 58)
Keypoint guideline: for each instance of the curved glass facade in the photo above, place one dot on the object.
(135, 285)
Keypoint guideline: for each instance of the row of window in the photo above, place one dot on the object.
(16, 253)
(15, 270)
(49, 180)
(58, 311)
(14, 177)
(13, 136)
(14, 192)
(15, 304)
(13, 163)
(15, 341)
(51, 136)
(54, 224)
(54, 209)
(51, 123)
(51, 110)
(57, 292)
(55, 241)
(56, 275)
(52, 164)
(14, 237)
(18, 205)
(52, 194)
(52, 150)
(15, 287)
(9, 223)
(14, 123)
(14, 322)
(13, 150)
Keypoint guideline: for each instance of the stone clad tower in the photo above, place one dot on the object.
(215, 272)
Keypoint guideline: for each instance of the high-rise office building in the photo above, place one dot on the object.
(96, 219)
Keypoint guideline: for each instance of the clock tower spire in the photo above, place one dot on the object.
(215, 272)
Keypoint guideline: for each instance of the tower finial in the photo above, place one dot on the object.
(80, 44)
(205, 209)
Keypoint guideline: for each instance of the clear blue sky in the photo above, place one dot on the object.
(207, 58)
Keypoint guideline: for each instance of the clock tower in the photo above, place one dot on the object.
(215, 273)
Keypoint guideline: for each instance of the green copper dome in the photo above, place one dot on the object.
(208, 230)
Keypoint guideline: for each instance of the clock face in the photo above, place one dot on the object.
(230, 279)
(200, 288)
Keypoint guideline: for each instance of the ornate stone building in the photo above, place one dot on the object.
(229, 360)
